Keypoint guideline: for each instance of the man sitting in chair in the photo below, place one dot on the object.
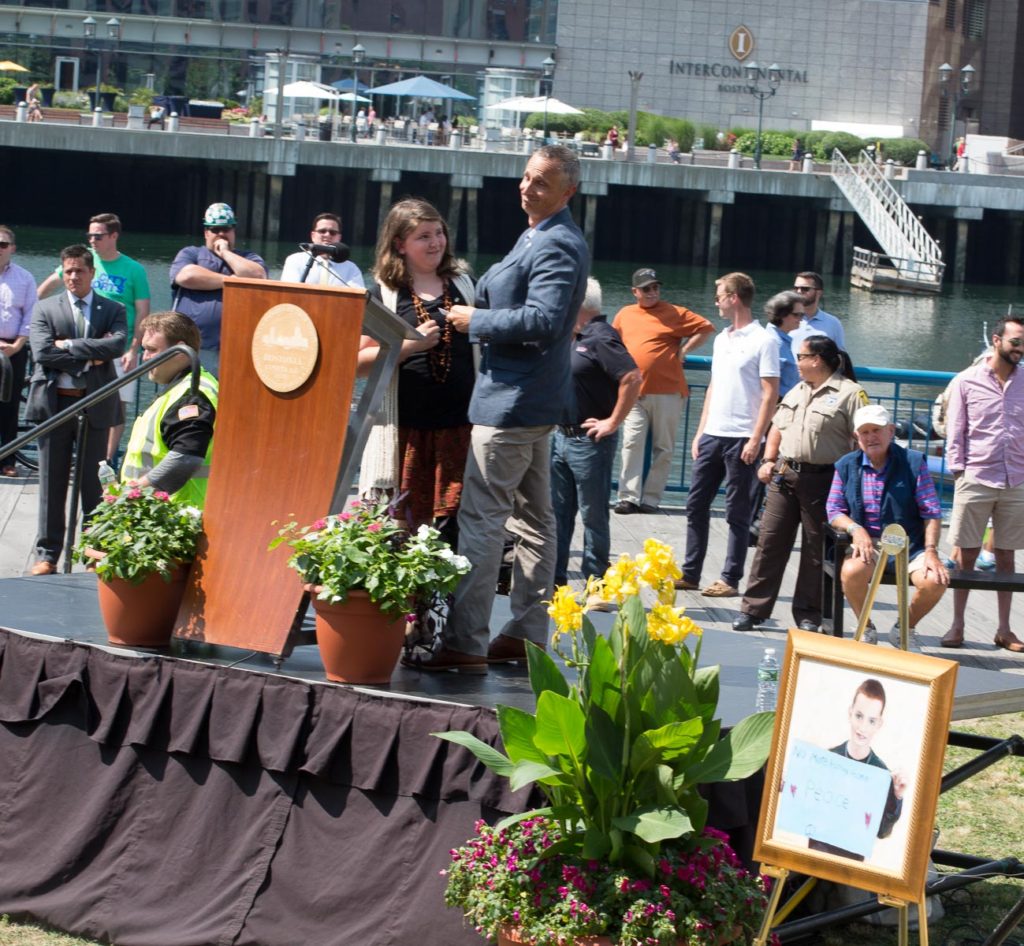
(880, 484)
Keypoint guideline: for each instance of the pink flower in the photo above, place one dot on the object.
(161, 495)
(109, 499)
(318, 525)
(373, 527)
(135, 493)
(344, 516)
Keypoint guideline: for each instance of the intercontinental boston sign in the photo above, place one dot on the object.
(741, 45)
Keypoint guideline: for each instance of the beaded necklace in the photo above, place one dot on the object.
(439, 357)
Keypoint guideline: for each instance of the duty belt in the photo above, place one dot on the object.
(799, 467)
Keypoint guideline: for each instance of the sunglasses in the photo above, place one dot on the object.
(653, 287)
(327, 232)
(805, 289)
(4, 244)
(220, 230)
(96, 236)
(803, 356)
(1015, 342)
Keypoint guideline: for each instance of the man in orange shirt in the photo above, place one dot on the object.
(658, 335)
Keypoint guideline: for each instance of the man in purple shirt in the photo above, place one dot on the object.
(985, 453)
(876, 486)
(17, 297)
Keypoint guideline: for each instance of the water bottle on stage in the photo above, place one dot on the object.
(767, 681)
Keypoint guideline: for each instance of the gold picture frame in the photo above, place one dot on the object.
(833, 690)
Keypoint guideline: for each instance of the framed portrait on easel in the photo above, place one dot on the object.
(853, 777)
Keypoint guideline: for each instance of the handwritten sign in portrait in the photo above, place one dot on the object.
(826, 797)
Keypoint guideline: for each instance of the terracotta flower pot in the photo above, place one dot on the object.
(358, 643)
(141, 615)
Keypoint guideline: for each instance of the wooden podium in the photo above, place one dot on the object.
(286, 447)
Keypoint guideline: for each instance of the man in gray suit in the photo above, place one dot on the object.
(75, 338)
(523, 320)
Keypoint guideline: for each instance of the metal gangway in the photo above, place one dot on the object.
(911, 260)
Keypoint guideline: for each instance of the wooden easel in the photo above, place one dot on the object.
(773, 915)
(280, 454)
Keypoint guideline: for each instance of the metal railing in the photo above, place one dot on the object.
(909, 396)
(76, 412)
(867, 264)
(885, 213)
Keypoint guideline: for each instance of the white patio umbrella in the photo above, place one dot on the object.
(528, 105)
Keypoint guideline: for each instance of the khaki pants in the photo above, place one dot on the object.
(660, 413)
(507, 486)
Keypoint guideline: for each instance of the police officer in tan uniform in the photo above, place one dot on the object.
(812, 428)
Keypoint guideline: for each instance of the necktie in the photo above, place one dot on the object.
(325, 273)
(80, 317)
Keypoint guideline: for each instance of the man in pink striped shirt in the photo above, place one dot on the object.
(985, 453)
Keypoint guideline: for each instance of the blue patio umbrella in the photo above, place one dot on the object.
(345, 85)
(420, 87)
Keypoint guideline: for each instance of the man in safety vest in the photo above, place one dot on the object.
(171, 443)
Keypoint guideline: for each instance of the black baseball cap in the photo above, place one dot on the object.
(644, 277)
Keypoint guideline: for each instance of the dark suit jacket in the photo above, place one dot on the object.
(52, 320)
(526, 309)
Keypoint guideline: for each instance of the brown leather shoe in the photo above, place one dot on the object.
(445, 660)
(1010, 642)
(719, 589)
(43, 568)
(683, 584)
(507, 650)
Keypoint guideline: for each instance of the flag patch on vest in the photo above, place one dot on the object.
(188, 411)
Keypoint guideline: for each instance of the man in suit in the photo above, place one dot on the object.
(75, 338)
(523, 320)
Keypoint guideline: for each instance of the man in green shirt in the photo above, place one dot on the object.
(124, 280)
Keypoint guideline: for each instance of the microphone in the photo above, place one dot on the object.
(338, 252)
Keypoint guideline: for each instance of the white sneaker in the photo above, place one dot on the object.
(913, 641)
(870, 635)
(597, 603)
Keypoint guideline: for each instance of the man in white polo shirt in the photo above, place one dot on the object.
(738, 407)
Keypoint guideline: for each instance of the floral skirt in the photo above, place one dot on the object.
(433, 462)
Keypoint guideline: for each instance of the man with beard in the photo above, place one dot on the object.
(985, 454)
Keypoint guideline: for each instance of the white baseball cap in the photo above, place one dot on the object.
(871, 414)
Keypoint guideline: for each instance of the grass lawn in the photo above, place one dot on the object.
(984, 816)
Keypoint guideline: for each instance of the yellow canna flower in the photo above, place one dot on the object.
(658, 564)
(621, 580)
(566, 611)
(668, 624)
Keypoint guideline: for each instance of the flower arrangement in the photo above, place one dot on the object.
(622, 849)
(140, 532)
(365, 548)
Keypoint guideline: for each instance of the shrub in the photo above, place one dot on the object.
(903, 150)
(7, 90)
(775, 143)
(849, 145)
(710, 135)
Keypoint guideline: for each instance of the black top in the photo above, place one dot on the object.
(599, 360)
(424, 402)
(189, 434)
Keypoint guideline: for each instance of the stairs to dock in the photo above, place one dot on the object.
(911, 260)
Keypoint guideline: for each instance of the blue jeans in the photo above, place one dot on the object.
(581, 480)
(718, 458)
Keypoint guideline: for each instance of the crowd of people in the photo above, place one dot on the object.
(501, 424)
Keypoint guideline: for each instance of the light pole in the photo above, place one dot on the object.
(549, 70)
(92, 42)
(358, 55)
(762, 93)
(959, 90)
(634, 94)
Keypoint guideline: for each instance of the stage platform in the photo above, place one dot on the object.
(69, 611)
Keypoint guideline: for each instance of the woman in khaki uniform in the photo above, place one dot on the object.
(812, 428)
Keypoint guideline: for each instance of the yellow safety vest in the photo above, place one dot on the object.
(146, 447)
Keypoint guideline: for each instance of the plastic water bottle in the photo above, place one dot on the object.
(106, 473)
(767, 681)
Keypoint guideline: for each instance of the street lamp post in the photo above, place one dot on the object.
(549, 72)
(762, 93)
(92, 42)
(959, 90)
(634, 93)
(358, 55)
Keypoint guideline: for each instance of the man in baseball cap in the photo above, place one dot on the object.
(658, 336)
(197, 278)
(880, 484)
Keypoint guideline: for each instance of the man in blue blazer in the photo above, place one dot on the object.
(75, 337)
(523, 320)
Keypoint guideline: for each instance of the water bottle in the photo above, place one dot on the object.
(767, 681)
(106, 474)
